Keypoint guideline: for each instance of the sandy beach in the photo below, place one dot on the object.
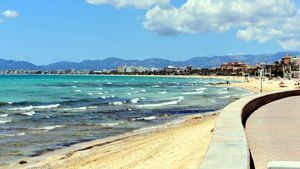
(269, 86)
(181, 145)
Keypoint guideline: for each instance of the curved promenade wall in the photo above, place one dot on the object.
(229, 147)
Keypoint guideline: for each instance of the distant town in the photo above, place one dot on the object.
(288, 66)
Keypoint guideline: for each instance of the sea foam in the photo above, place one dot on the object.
(30, 113)
(166, 103)
(27, 108)
(135, 100)
(192, 93)
(145, 118)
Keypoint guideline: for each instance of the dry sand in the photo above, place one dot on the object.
(269, 86)
(178, 146)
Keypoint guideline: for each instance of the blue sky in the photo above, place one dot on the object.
(57, 30)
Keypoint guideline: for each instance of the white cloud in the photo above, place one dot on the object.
(140, 4)
(259, 20)
(10, 14)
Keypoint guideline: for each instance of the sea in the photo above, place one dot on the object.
(40, 113)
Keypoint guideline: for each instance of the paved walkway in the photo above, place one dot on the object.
(273, 132)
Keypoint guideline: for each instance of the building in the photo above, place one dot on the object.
(290, 66)
(234, 68)
(178, 70)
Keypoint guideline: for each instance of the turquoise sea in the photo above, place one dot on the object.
(42, 113)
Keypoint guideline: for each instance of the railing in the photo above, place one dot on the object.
(229, 147)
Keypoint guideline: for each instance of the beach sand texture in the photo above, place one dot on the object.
(269, 86)
(180, 146)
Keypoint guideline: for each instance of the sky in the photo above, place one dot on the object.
(48, 31)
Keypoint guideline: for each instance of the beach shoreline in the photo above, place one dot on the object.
(139, 142)
(202, 124)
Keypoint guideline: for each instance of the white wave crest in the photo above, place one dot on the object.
(201, 89)
(50, 106)
(30, 113)
(145, 118)
(27, 108)
(3, 115)
(192, 93)
(155, 86)
(48, 127)
(116, 103)
(173, 102)
(5, 120)
(111, 124)
(135, 100)
(75, 109)
(21, 108)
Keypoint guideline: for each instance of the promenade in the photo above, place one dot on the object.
(273, 132)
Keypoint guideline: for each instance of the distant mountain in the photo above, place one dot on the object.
(216, 61)
(112, 63)
(11, 64)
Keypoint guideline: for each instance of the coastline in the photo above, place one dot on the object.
(168, 144)
(180, 144)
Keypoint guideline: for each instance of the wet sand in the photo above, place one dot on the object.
(175, 146)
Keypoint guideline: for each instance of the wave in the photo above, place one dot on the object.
(164, 92)
(116, 103)
(145, 118)
(192, 93)
(21, 134)
(21, 108)
(3, 115)
(155, 86)
(48, 127)
(135, 100)
(201, 89)
(30, 113)
(5, 120)
(50, 106)
(112, 124)
(166, 103)
(13, 135)
(140, 91)
(27, 108)
(75, 108)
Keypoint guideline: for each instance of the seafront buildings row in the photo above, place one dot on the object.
(288, 67)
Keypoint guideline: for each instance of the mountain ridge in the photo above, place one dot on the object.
(112, 62)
